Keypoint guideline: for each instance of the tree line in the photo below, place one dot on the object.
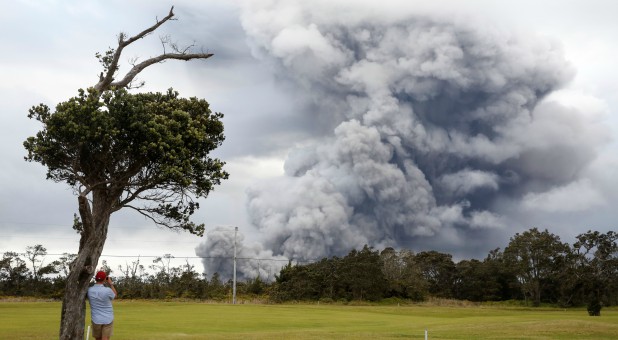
(535, 267)
(26, 275)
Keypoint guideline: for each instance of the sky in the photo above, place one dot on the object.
(448, 126)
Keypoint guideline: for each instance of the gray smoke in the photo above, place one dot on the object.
(251, 261)
(438, 129)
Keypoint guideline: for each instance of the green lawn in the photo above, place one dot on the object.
(194, 320)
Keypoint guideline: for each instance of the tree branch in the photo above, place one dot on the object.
(148, 213)
(148, 216)
(148, 30)
(141, 66)
(106, 79)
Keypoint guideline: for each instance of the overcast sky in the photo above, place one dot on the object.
(447, 126)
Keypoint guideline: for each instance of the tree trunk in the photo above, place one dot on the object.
(536, 293)
(91, 244)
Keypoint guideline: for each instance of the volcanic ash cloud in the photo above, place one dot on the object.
(438, 130)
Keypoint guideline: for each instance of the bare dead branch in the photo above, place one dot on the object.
(164, 41)
(141, 66)
(106, 79)
(136, 84)
(104, 82)
(133, 61)
(186, 49)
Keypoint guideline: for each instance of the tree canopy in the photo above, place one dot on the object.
(145, 151)
(536, 258)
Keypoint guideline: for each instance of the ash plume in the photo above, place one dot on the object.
(439, 130)
(251, 260)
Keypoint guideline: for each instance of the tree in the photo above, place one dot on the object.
(162, 266)
(438, 270)
(33, 253)
(13, 273)
(597, 259)
(216, 288)
(63, 264)
(330, 277)
(392, 268)
(536, 258)
(358, 276)
(403, 275)
(131, 279)
(297, 282)
(146, 151)
(501, 281)
(470, 281)
(361, 273)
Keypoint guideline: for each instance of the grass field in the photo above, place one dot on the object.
(194, 320)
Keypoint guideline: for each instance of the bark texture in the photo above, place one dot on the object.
(95, 225)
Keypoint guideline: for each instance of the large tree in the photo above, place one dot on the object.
(537, 258)
(597, 264)
(361, 273)
(144, 151)
(438, 270)
(403, 275)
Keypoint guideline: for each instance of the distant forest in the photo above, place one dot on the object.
(535, 267)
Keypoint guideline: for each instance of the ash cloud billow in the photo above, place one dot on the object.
(439, 130)
(251, 261)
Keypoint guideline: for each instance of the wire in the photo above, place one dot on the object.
(67, 225)
(181, 257)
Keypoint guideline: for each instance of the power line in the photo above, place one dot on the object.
(65, 225)
(179, 257)
(111, 226)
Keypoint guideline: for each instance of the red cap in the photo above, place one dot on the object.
(100, 276)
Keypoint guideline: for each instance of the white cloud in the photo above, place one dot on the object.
(574, 197)
(467, 181)
(486, 220)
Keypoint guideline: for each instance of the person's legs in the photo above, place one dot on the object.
(102, 332)
(107, 331)
(97, 331)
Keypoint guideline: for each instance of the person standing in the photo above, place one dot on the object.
(101, 310)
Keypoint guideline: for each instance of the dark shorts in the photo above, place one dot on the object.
(99, 331)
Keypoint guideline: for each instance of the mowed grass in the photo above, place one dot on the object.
(195, 320)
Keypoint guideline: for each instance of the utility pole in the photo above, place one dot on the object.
(234, 280)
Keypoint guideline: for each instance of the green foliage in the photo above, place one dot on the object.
(256, 286)
(106, 60)
(537, 258)
(40, 280)
(586, 276)
(594, 307)
(362, 275)
(438, 270)
(487, 280)
(13, 273)
(151, 148)
(403, 275)
(596, 260)
(357, 276)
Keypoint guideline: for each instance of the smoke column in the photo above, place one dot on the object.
(252, 261)
(438, 129)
